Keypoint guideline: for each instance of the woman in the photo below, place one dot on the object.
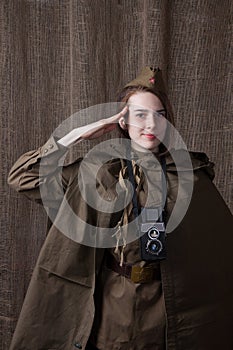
(173, 294)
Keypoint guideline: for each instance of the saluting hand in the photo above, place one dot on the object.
(93, 130)
(103, 126)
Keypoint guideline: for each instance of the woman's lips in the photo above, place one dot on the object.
(150, 136)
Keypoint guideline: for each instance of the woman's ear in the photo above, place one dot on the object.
(122, 124)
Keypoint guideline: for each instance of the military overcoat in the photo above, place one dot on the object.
(197, 276)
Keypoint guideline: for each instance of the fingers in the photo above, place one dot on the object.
(115, 118)
(124, 110)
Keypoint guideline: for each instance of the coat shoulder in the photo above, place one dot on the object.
(200, 160)
(190, 160)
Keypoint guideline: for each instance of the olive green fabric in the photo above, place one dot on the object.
(124, 307)
(197, 276)
(151, 78)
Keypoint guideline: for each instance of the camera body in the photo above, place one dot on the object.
(153, 234)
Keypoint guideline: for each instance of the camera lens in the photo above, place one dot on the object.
(154, 247)
(153, 233)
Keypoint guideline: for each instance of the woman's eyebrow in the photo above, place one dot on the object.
(161, 110)
(148, 110)
(141, 110)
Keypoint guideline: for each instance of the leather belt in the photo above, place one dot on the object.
(135, 273)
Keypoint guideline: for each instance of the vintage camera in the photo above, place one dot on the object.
(153, 234)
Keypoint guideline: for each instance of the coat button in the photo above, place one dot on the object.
(45, 151)
(51, 146)
(78, 345)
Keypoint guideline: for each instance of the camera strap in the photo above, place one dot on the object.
(132, 180)
(164, 186)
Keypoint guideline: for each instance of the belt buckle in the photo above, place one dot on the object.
(141, 274)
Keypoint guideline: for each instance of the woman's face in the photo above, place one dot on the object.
(146, 123)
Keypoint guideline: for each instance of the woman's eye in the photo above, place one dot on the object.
(160, 114)
(140, 115)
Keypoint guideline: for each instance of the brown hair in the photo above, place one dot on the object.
(127, 92)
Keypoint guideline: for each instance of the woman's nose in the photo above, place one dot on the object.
(150, 121)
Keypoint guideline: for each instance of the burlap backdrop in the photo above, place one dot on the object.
(57, 57)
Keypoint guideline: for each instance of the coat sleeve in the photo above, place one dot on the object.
(40, 174)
